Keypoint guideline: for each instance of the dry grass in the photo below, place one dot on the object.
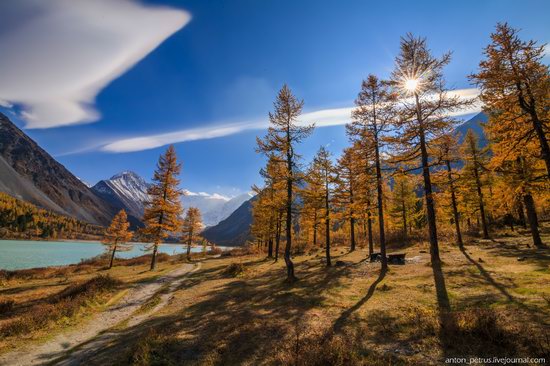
(38, 303)
(236, 310)
(353, 314)
(63, 306)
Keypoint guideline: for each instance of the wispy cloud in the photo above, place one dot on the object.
(321, 118)
(57, 55)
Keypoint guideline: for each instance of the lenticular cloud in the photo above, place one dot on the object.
(57, 55)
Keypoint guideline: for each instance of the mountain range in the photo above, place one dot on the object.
(29, 173)
(129, 191)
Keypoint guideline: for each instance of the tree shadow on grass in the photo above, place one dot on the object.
(343, 318)
(239, 320)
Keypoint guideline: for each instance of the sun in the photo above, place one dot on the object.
(411, 84)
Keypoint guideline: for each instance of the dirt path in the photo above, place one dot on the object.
(73, 346)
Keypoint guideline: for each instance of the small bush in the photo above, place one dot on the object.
(235, 270)
(214, 251)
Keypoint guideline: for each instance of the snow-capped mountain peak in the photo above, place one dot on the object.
(129, 191)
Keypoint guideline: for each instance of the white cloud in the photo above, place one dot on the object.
(192, 134)
(5, 103)
(321, 118)
(59, 54)
(214, 196)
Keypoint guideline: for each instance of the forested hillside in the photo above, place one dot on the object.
(22, 220)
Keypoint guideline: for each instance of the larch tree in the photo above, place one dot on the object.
(117, 234)
(520, 180)
(347, 186)
(163, 209)
(312, 195)
(447, 152)
(365, 182)
(375, 109)
(425, 105)
(267, 207)
(325, 170)
(403, 201)
(190, 228)
(284, 134)
(475, 164)
(515, 88)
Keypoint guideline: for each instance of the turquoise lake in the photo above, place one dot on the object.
(21, 254)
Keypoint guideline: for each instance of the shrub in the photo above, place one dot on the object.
(234, 270)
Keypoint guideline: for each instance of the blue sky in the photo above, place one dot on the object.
(198, 66)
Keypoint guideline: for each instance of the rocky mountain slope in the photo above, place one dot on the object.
(234, 230)
(125, 190)
(29, 173)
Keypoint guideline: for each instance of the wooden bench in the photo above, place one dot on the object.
(375, 257)
(397, 258)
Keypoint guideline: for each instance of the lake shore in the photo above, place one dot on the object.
(27, 254)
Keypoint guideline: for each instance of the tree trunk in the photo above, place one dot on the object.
(290, 277)
(327, 224)
(154, 258)
(404, 218)
(432, 227)
(278, 237)
(113, 255)
(189, 242)
(533, 220)
(544, 147)
(315, 228)
(453, 202)
(270, 247)
(380, 198)
(369, 228)
(521, 214)
(352, 232)
(480, 202)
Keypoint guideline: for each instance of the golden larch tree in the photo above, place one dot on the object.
(283, 136)
(375, 109)
(425, 105)
(190, 228)
(116, 235)
(515, 88)
(163, 209)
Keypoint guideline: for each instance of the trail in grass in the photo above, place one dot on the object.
(72, 347)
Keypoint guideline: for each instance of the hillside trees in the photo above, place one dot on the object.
(283, 135)
(515, 88)
(163, 209)
(20, 219)
(191, 227)
(117, 234)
